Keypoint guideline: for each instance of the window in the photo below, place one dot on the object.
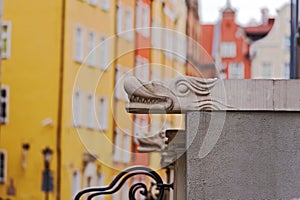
(139, 15)
(6, 39)
(122, 146)
(117, 146)
(228, 49)
(104, 56)
(90, 176)
(104, 4)
(103, 114)
(126, 147)
(116, 195)
(143, 18)
(286, 70)
(101, 184)
(141, 70)
(169, 13)
(4, 105)
(77, 108)
(156, 73)
(266, 70)
(139, 179)
(119, 18)
(125, 190)
(287, 43)
(140, 125)
(146, 20)
(91, 52)
(119, 84)
(93, 2)
(76, 182)
(78, 44)
(156, 35)
(236, 70)
(168, 44)
(180, 49)
(129, 24)
(3, 165)
(90, 122)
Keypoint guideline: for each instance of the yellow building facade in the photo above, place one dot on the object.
(60, 96)
(63, 65)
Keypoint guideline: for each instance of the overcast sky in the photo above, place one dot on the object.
(246, 9)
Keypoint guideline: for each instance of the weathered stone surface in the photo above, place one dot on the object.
(257, 156)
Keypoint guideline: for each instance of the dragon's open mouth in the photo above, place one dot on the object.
(145, 100)
(146, 97)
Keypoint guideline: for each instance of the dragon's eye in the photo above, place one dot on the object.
(182, 88)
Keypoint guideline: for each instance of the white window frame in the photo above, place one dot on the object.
(155, 73)
(3, 166)
(104, 53)
(76, 183)
(125, 190)
(90, 170)
(103, 113)
(101, 183)
(78, 44)
(141, 125)
(228, 50)
(92, 43)
(287, 42)
(286, 70)
(93, 2)
(126, 147)
(77, 108)
(156, 35)
(168, 44)
(142, 68)
(146, 20)
(267, 70)
(6, 35)
(139, 16)
(119, 18)
(117, 154)
(129, 24)
(120, 74)
(180, 48)
(105, 5)
(236, 74)
(90, 114)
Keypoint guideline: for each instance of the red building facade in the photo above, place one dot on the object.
(228, 43)
(233, 48)
(142, 69)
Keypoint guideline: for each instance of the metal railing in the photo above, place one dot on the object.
(122, 177)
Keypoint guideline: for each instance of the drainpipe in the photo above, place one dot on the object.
(294, 25)
(60, 101)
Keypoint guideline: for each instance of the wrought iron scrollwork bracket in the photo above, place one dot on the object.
(121, 178)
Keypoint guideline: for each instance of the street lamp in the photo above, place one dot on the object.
(47, 153)
(47, 182)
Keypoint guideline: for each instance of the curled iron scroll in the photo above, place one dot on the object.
(121, 178)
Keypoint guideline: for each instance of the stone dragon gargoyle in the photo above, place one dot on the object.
(181, 94)
(152, 143)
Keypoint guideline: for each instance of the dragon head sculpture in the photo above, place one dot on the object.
(178, 95)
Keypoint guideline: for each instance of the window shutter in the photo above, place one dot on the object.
(3, 164)
(4, 104)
